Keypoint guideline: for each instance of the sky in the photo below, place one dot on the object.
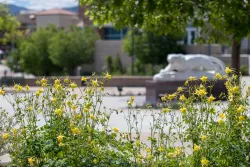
(42, 4)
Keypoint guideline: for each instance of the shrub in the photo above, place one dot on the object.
(76, 129)
(109, 64)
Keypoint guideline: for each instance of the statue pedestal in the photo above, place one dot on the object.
(156, 89)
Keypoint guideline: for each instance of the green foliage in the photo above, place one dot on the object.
(33, 53)
(69, 50)
(152, 48)
(76, 129)
(117, 64)
(244, 70)
(52, 50)
(109, 64)
(8, 26)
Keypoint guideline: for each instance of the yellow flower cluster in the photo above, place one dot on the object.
(204, 161)
(2, 92)
(176, 153)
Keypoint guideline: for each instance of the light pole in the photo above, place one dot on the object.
(132, 52)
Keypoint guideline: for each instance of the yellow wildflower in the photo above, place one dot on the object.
(84, 79)
(53, 99)
(30, 108)
(204, 161)
(203, 79)
(58, 87)
(31, 161)
(57, 82)
(116, 130)
(171, 155)
(235, 89)
(240, 109)
(43, 80)
(18, 88)
(60, 144)
(5, 136)
(66, 80)
(149, 156)
(228, 70)
(14, 131)
(183, 110)
(165, 110)
(86, 109)
(76, 131)
(137, 143)
(220, 121)
(203, 92)
(59, 112)
(132, 98)
(192, 78)
(222, 115)
(177, 150)
(92, 116)
(171, 96)
(2, 92)
(218, 76)
(180, 89)
(182, 97)
(129, 103)
(211, 99)
(73, 107)
(196, 147)
(148, 150)
(163, 98)
(95, 161)
(73, 85)
(161, 149)
(94, 83)
(241, 118)
(107, 76)
(27, 88)
(60, 138)
(203, 137)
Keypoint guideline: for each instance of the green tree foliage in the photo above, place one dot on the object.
(71, 49)
(109, 64)
(8, 26)
(34, 53)
(229, 17)
(152, 48)
(117, 64)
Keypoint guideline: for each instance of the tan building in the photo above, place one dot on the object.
(58, 17)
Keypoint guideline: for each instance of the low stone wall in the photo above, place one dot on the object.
(123, 81)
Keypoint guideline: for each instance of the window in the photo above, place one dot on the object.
(111, 33)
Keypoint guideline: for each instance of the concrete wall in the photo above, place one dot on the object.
(61, 21)
(44, 21)
(226, 58)
(203, 49)
(105, 48)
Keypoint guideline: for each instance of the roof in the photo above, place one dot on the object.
(56, 12)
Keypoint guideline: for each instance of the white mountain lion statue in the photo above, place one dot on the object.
(181, 67)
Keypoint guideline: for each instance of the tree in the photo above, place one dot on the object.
(33, 53)
(8, 26)
(71, 49)
(230, 17)
(152, 48)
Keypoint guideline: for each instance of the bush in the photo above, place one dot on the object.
(76, 130)
(109, 64)
(117, 64)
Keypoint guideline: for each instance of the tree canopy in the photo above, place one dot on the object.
(52, 51)
(33, 53)
(152, 48)
(230, 17)
(8, 25)
(69, 50)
